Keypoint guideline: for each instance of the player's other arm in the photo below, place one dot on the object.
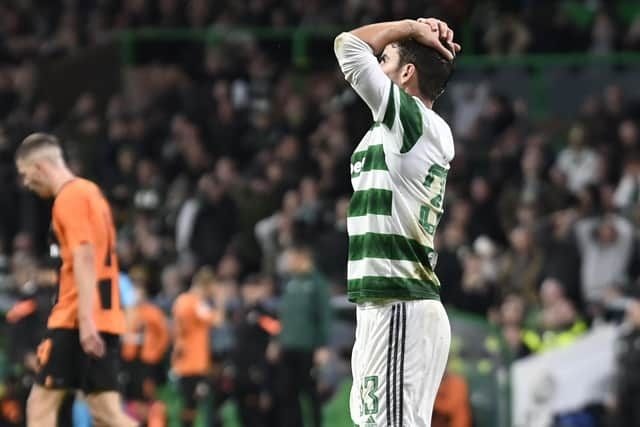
(84, 270)
(358, 62)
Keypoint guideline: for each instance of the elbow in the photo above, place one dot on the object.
(338, 44)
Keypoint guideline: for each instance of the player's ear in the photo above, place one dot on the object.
(37, 166)
(408, 70)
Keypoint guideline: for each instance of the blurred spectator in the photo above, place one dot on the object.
(275, 233)
(606, 247)
(255, 324)
(483, 211)
(332, 246)
(577, 165)
(522, 264)
(557, 324)
(478, 291)
(172, 286)
(603, 34)
(627, 194)
(207, 222)
(531, 189)
(561, 255)
(302, 347)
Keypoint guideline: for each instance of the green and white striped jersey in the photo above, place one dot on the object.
(398, 172)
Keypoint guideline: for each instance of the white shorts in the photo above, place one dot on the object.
(398, 360)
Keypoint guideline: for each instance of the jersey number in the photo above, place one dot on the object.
(368, 395)
(429, 218)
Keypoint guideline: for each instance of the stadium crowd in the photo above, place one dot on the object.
(229, 180)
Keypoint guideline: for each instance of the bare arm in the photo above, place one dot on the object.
(84, 271)
(381, 34)
(428, 32)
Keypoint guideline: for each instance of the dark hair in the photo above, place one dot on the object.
(36, 141)
(434, 70)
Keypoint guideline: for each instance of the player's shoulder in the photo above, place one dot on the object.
(184, 301)
(78, 188)
(439, 132)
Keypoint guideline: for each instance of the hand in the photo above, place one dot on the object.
(90, 340)
(438, 30)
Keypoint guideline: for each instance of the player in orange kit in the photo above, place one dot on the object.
(194, 318)
(143, 349)
(82, 348)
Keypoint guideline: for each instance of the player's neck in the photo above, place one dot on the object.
(426, 101)
(60, 179)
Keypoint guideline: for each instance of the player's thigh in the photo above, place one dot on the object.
(59, 356)
(375, 349)
(193, 389)
(427, 337)
(43, 405)
(107, 411)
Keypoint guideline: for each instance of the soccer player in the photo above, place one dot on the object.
(82, 347)
(191, 357)
(398, 173)
(144, 345)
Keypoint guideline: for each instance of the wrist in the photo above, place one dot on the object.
(410, 26)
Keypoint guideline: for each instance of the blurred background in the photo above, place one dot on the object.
(221, 132)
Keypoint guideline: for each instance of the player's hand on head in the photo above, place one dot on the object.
(444, 32)
(90, 340)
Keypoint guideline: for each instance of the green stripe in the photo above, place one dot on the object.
(388, 246)
(411, 120)
(438, 171)
(375, 287)
(374, 159)
(390, 114)
(374, 201)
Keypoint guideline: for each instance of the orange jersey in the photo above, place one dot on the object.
(81, 215)
(147, 336)
(191, 352)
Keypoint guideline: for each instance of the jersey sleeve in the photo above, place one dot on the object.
(361, 69)
(72, 213)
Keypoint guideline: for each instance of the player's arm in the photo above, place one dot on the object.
(71, 213)
(84, 270)
(162, 335)
(356, 53)
(211, 316)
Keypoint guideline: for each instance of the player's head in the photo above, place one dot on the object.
(204, 279)
(299, 259)
(37, 158)
(408, 63)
